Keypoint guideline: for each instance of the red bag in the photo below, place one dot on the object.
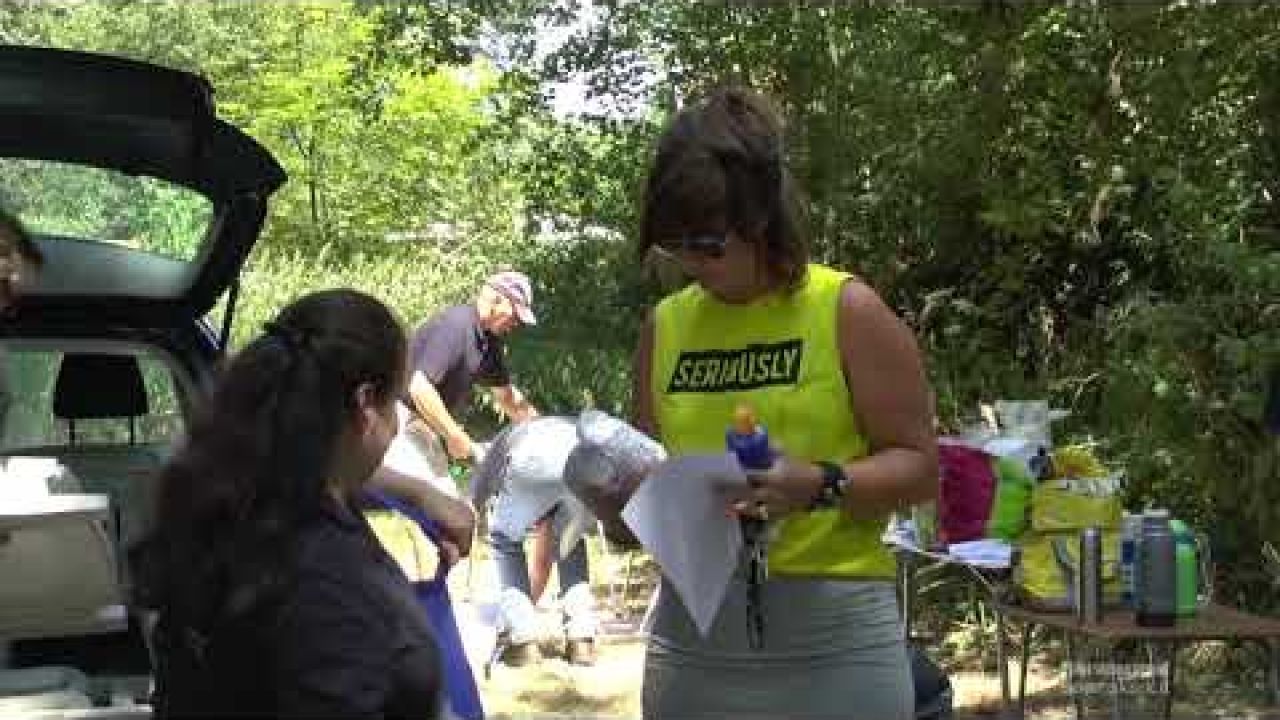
(966, 493)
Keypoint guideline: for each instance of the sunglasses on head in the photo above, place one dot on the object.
(711, 246)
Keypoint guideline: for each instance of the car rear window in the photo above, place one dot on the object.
(27, 404)
(106, 206)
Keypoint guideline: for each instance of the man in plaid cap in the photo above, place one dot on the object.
(449, 354)
(462, 347)
(453, 351)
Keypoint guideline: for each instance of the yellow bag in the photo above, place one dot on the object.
(1045, 574)
(1076, 461)
(1060, 508)
(406, 543)
(1073, 504)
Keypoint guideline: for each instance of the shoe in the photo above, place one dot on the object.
(519, 654)
(580, 651)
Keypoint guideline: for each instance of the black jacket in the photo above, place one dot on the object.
(347, 640)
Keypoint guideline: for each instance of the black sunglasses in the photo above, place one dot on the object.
(711, 246)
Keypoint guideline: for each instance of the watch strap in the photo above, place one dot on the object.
(834, 483)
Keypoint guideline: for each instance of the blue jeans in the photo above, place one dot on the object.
(513, 567)
(516, 612)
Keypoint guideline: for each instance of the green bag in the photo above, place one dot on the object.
(1013, 494)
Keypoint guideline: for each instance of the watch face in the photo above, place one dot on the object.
(834, 479)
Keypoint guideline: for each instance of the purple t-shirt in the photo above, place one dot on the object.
(455, 353)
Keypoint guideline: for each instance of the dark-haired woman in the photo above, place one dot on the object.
(20, 258)
(273, 597)
(836, 379)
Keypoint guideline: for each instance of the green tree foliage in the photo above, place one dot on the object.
(1072, 201)
(376, 118)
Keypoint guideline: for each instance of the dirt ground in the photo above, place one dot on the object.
(552, 688)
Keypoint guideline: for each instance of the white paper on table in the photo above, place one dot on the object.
(983, 553)
(678, 514)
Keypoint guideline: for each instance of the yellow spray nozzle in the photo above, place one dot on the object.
(744, 420)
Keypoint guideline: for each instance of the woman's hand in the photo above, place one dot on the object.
(459, 445)
(456, 517)
(458, 522)
(449, 553)
(786, 487)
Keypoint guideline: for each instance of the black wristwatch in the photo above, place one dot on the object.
(834, 484)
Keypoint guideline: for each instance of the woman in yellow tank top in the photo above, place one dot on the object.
(836, 379)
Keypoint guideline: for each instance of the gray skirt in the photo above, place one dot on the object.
(832, 649)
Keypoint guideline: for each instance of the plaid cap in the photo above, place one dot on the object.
(515, 286)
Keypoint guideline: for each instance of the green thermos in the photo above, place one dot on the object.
(1187, 566)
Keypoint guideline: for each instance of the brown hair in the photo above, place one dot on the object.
(719, 167)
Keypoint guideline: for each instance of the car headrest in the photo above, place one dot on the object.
(99, 386)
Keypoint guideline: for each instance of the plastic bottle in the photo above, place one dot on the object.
(1041, 465)
(458, 473)
(1130, 529)
(1188, 568)
(747, 439)
(1156, 596)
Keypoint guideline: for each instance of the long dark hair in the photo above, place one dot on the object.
(253, 471)
(721, 165)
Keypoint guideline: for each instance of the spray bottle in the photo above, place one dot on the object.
(749, 441)
(1130, 530)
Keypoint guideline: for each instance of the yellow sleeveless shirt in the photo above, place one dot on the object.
(780, 355)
